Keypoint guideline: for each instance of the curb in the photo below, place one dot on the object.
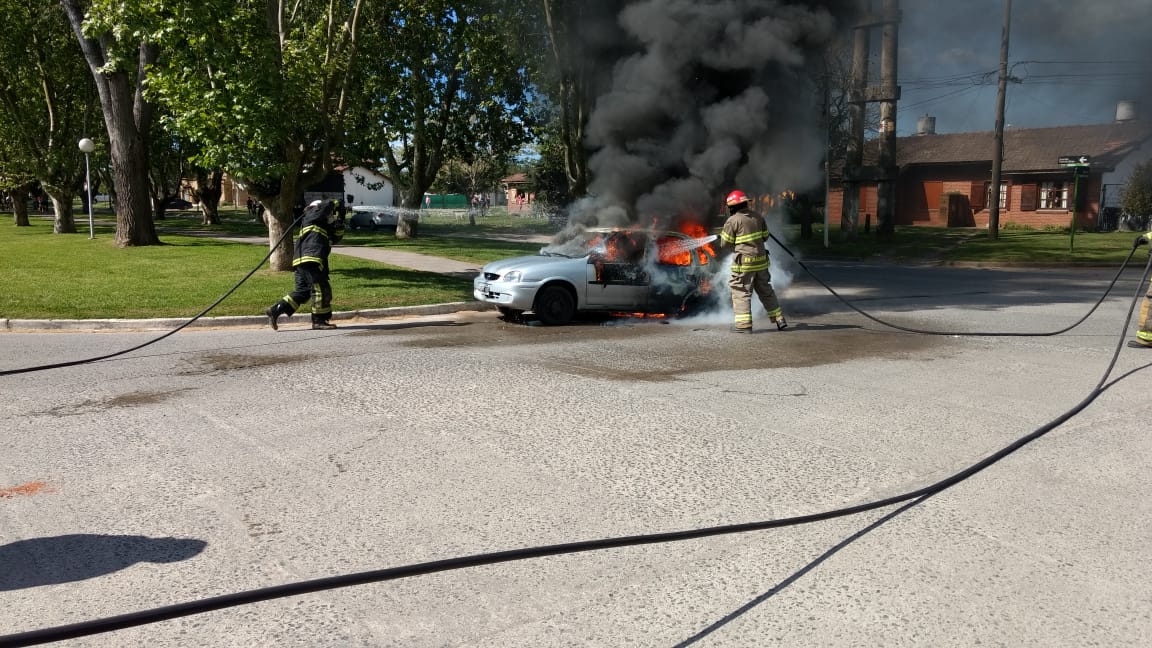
(168, 323)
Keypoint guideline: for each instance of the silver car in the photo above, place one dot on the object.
(625, 271)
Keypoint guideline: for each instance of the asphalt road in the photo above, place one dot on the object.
(219, 461)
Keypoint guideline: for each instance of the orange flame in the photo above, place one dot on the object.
(669, 254)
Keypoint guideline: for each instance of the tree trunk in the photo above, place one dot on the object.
(19, 199)
(65, 222)
(208, 192)
(280, 217)
(280, 220)
(128, 119)
(408, 222)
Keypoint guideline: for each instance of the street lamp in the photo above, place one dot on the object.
(87, 146)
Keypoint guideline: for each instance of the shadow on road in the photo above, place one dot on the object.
(76, 557)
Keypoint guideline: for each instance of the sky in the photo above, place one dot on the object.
(695, 97)
(1075, 60)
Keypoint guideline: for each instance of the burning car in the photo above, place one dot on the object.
(628, 271)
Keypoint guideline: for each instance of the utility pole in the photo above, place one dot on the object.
(888, 95)
(998, 153)
(854, 154)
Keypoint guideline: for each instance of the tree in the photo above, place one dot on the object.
(1136, 197)
(447, 80)
(549, 181)
(17, 195)
(209, 187)
(118, 59)
(476, 175)
(571, 74)
(262, 89)
(48, 103)
(167, 170)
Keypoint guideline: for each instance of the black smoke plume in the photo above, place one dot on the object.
(704, 97)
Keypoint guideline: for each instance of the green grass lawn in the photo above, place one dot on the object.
(438, 236)
(938, 244)
(69, 276)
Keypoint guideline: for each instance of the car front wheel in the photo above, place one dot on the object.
(555, 305)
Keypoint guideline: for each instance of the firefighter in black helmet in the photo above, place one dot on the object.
(746, 232)
(321, 226)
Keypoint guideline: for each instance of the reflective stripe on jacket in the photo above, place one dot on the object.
(746, 231)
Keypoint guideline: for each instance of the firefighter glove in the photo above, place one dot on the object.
(1140, 240)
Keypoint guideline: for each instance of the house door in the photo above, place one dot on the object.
(928, 202)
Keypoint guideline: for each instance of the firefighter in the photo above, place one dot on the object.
(746, 232)
(321, 226)
(1144, 327)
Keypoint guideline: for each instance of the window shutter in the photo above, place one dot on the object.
(976, 195)
(1028, 197)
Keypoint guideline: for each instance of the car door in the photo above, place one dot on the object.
(619, 281)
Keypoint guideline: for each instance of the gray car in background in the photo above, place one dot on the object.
(615, 271)
(371, 218)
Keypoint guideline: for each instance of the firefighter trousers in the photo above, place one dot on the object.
(311, 282)
(1144, 328)
(743, 284)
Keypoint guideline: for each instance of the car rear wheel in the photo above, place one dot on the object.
(555, 305)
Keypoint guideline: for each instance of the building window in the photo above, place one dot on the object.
(1003, 194)
(1054, 195)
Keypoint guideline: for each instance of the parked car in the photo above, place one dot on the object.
(370, 218)
(177, 204)
(613, 271)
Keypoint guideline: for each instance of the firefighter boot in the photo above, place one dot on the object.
(781, 323)
(275, 311)
(321, 323)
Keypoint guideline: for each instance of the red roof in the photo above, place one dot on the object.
(515, 178)
(1026, 149)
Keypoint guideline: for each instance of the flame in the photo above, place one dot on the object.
(771, 200)
(671, 254)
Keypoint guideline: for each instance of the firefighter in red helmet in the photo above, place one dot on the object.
(746, 232)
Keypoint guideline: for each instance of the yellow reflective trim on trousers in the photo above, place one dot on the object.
(750, 268)
(308, 259)
(1144, 335)
(751, 264)
(322, 311)
(743, 317)
(774, 313)
(292, 302)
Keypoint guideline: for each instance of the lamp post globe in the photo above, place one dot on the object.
(87, 146)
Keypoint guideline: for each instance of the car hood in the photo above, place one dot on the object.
(534, 262)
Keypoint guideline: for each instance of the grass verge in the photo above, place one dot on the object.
(69, 276)
(968, 245)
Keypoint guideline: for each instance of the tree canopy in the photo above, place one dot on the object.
(449, 82)
(48, 101)
(261, 89)
(1136, 198)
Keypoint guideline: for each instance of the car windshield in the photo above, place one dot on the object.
(619, 247)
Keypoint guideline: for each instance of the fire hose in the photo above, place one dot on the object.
(108, 624)
(960, 333)
(73, 363)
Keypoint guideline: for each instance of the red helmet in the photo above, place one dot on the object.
(735, 198)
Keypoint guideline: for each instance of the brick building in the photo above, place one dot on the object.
(945, 180)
